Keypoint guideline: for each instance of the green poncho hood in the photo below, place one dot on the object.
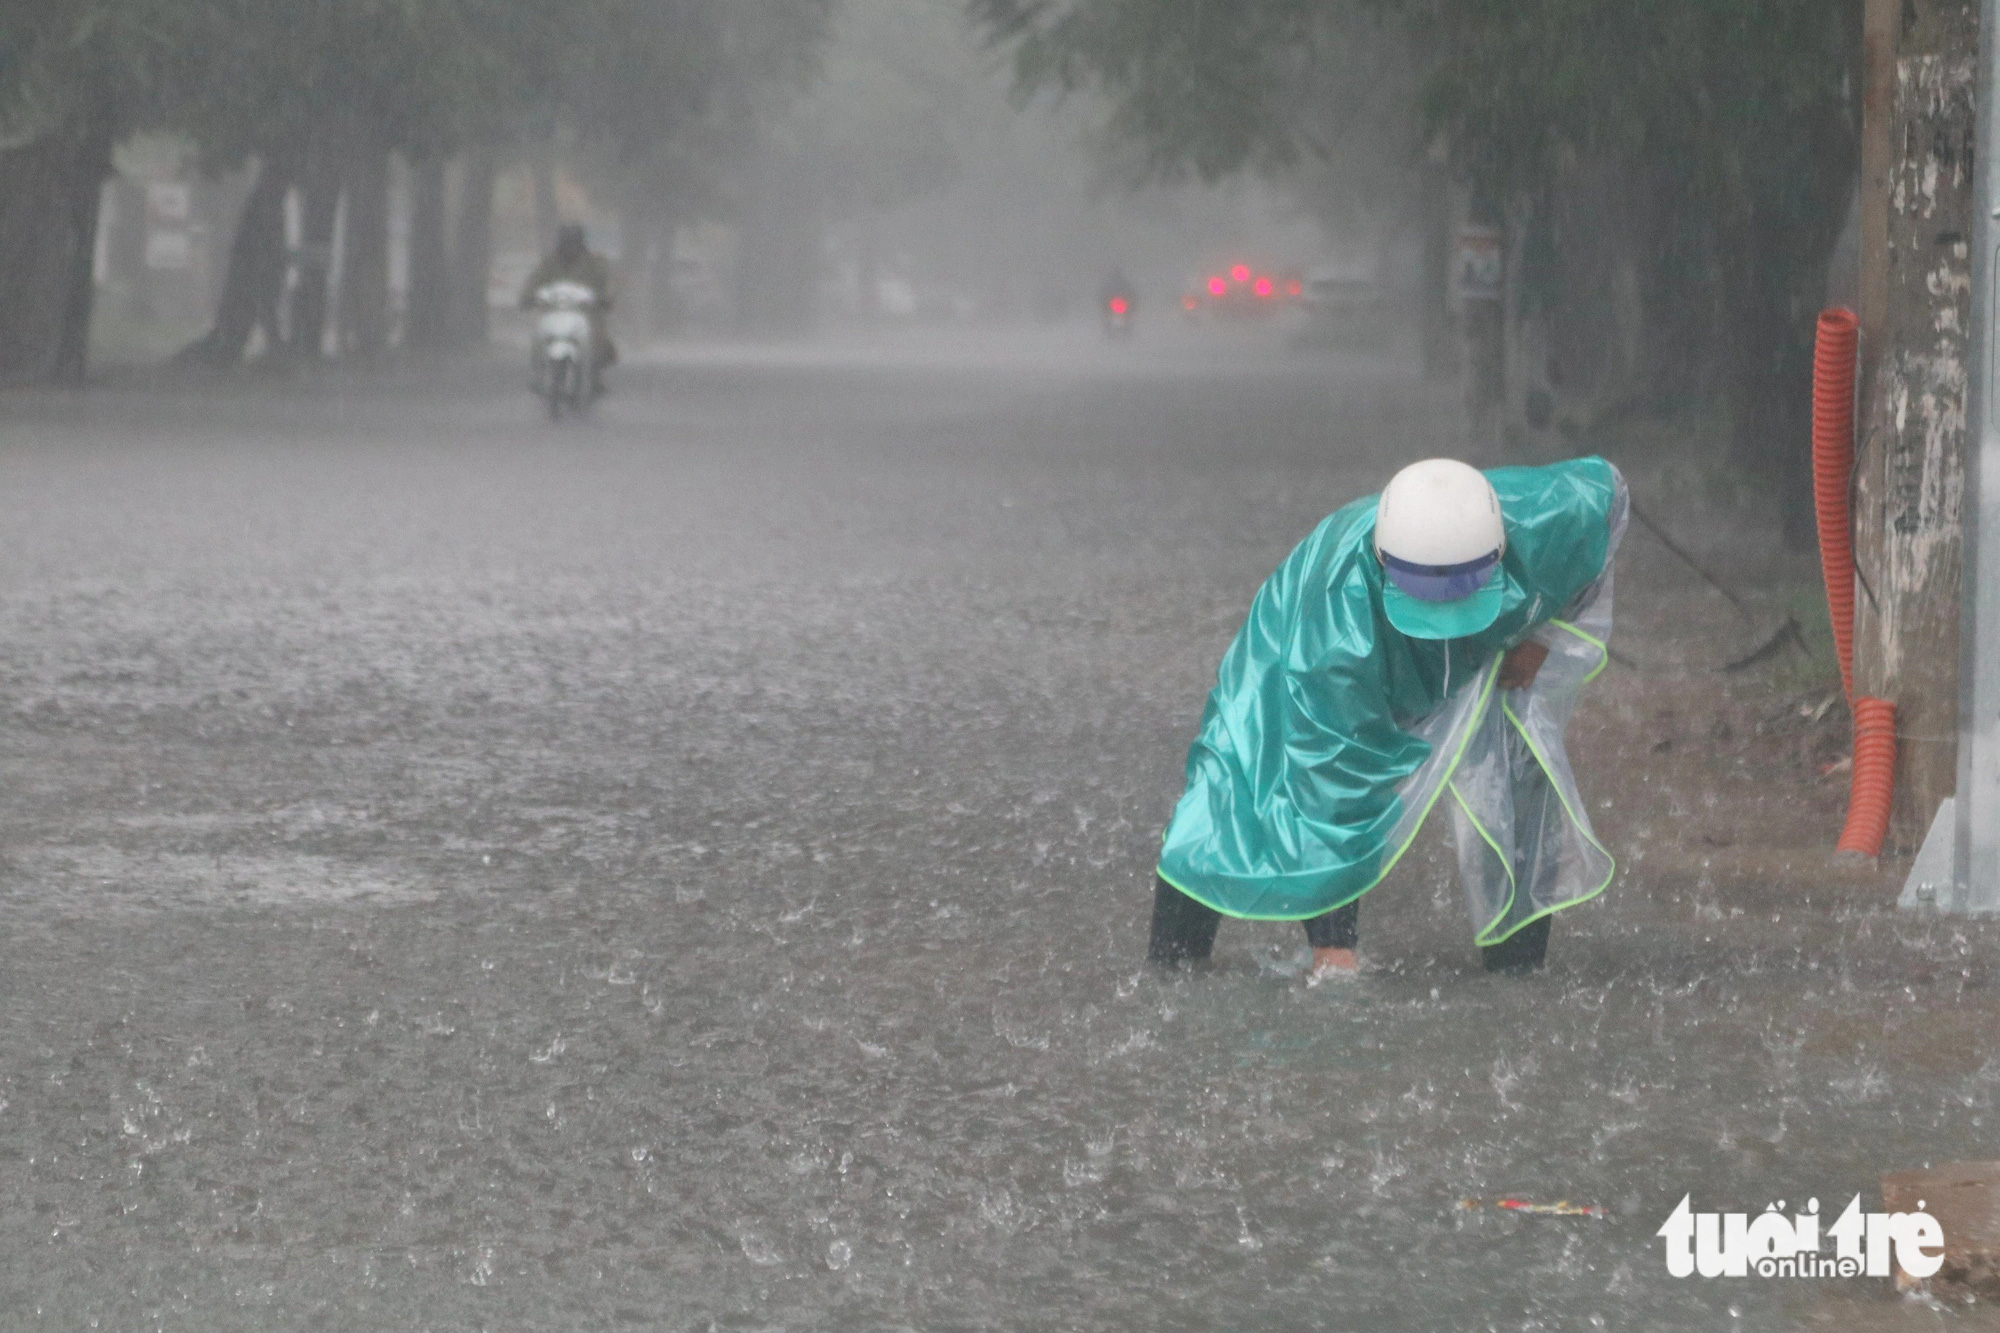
(1304, 784)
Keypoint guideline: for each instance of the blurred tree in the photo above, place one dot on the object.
(668, 99)
(427, 320)
(350, 81)
(1208, 87)
(364, 286)
(1733, 128)
(1720, 134)
(876, 130)
(74, 78)
(1320, 94)
(317, 94)
(472, 247)
(322, 91)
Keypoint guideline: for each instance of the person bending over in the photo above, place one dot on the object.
(1423, 647)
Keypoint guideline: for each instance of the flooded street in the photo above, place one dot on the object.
(690, 870)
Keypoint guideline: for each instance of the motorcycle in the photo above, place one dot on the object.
(564, 348)
(1117, 313)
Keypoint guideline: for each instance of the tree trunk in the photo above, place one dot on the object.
(1437, 329)
(1578, 271)
(84, 199)
(48, 239)
(1770, 374)
(1771, 384)
(126, 248)
(1484, 336)
(1880, 21)
(1677, 364)
(256, 275)
(427, 319)
(1483, 330)
(1910, 470)
(364, 271)
(472, 256)
(1776, 242)
(1528, 310)
(319, 191)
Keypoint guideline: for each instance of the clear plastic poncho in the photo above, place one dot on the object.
(1330, 735)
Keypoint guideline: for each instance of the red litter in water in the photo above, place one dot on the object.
(1560, 1208)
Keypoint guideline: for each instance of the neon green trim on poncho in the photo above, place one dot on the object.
(1293, 781)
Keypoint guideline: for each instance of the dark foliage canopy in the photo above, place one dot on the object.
(427, 76)
(1729, 126)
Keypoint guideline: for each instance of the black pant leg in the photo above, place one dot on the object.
(1523, 951)
(1183, 929)
(1338, 929)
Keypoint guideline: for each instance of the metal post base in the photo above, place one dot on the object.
(1932, 885)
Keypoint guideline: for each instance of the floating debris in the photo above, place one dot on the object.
(1560, 1208)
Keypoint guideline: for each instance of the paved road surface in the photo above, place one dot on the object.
(689, 872)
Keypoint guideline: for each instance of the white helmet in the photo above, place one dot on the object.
(1440, 537)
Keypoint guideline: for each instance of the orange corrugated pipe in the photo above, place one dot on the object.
(1873, 787)
(1833, 462)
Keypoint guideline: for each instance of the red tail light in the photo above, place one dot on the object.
(1241, 273)
(1294, 287)
(1217, 287)
(1263, 287)
(1118, 305)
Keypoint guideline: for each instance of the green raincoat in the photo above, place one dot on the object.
(1330, 735)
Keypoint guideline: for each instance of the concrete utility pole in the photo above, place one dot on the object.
(1917, 190)
(1958, 868)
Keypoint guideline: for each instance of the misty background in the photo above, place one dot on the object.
(688, 866)
(869, 164)
(281, 181)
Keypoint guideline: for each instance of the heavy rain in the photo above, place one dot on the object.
(638, 638)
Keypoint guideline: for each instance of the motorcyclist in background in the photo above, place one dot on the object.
(574, 261)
